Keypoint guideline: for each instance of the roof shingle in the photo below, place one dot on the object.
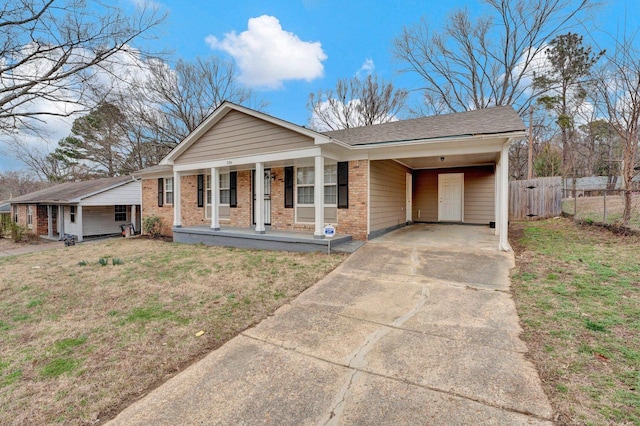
(70, 191)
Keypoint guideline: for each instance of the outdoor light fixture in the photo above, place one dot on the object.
(441, 158)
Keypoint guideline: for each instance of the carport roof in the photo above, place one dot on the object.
(488, 121)
(71, 192)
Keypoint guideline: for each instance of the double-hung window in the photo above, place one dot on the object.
(29, 216)
(72, 214)
(305, 180)
(225, 192)
(168, 191)
(15, 214)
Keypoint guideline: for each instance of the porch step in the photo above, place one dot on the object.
(348, 247)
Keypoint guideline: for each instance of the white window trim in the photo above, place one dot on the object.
(166, 181)
(72, 214)
(115, 212)
(313, 185)
(30, 216)
(334, 184)
(207, 195)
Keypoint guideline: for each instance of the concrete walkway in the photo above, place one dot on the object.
(417, 327)
(17, 249)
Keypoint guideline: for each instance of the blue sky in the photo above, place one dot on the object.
(332, 39)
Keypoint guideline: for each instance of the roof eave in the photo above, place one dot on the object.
(507, 135)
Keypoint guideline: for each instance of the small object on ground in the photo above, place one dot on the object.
(199, 333)
(35, 267)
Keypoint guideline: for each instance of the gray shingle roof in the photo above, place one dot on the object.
(503, 119)
(70, 191)
(5, 207)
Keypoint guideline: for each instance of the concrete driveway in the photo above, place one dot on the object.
(417, 327)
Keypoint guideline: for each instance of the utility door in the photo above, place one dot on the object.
(450, 197)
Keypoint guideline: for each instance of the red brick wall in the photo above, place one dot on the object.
(150, 206)
(240, 216)
(353, 220)
(41, 224)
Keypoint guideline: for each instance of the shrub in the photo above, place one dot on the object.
(18, 232)
(152, 226)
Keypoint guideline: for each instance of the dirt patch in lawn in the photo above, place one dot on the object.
(577, 290)
(87, 329)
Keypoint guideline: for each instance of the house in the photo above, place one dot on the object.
(89, 208)
(5, 217)
(242, 169)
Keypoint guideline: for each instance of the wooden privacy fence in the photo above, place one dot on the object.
(535, 199)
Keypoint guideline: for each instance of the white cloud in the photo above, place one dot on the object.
(335, 114)
(267, 55)
(367, 68)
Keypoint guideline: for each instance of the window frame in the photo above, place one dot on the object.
(116, 212)
(29, 216)
(72, 214)
(333, 168)
(310, 178)
(225, 188)
(15, 214)
(168, 182)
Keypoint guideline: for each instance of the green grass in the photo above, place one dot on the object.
(59, 366)
(577, 291)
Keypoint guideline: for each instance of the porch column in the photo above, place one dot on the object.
(318, 197)
(49, 221)
(504, 198)
(79, 223)
(133, 218)
(60, 222)
(177, 221)
(496, 197)
(259, 204)
(215, 198)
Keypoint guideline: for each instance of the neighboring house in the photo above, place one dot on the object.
(242, 168)
(84, 209)
(5, 216)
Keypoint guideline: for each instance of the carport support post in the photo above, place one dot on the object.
(318, 197)
(259, 204)
(177, 220)
(215, 199)
(504, 198)
(79, 223)
(49, 221)
(60, 222)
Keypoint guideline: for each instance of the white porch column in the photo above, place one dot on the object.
(504, 198)
(79, 223)
(215, 198)
(60, 222)
(318, 197)
(496, 197)
(49, 221)
(259, 204)
(133, 218)
(177, 220)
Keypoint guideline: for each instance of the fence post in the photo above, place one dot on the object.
(604, 216)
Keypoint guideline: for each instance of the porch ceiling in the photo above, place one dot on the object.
(436, 162)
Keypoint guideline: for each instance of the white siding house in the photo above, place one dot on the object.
(89, 208)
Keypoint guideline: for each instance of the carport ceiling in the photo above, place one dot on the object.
(449, 161)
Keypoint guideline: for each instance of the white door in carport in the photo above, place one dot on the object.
(450, 196)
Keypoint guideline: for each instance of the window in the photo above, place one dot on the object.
(72, 214)
(331, 184)
(208, 191)
(168, 191)
(121, 213)
(15, 214)
(29, 216)
(225, 193)
(305, 180)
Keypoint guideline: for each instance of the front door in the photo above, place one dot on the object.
(450, 197)
(267, 196)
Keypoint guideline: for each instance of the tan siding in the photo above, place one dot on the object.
(308, 215)
(100, 220)
(388, 183)
(237, 135)
(479, 194)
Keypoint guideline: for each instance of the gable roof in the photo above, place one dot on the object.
(489, 121)
(72, 192)
(221, 112)
(5, 207)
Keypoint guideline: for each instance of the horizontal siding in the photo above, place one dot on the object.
(70, 228)
(388, 194)
(100, 220)
(129, 194)
(238, 134)
(479, 194)
(308, 215)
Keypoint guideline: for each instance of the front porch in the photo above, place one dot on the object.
(247, 238)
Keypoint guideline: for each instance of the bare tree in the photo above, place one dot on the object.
(170, 103)
(356, 102)
(619, 84)
(50, 51)
(17, 183)
(489, 61)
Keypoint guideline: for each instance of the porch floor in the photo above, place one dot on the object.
(248, 238)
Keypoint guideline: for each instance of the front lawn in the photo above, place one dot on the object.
(577, 291)
(87, 329)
